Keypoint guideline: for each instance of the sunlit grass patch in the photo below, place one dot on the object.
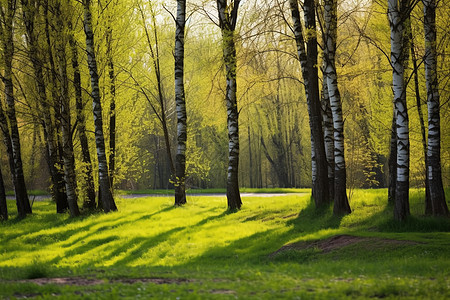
(222, 251)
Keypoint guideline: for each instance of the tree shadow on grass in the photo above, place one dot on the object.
(312, 219)
(255, 248)
(142, 244)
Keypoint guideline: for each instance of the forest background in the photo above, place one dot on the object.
(275, 146)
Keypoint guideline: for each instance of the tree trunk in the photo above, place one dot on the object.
(328, 134)
(22, 202)
(428, 209)
(81, 125)
(227, 20)
(3, 205)
(112, 104)
(180, 158)
(308, 63)
(392, 162)
(341, 205)
(66, 128)
(104, 181)
(437, 195)
(396, 21)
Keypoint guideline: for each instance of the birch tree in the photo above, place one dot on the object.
(437, 195)
(180, 158)
(66, 126)
(397, 16)
(112, 91)
(328, 132)
(81, 123)
(341, 205)
(6, 33)
(104, 180)
(308, 63)
(228, 12)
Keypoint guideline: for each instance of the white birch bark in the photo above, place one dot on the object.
(104, 184)
(180, 158)
(81, 124)
(227, 19)
(341, 205)
(437, 195)
(6, 33)
(401, 209)
(66, 126)
(328, 132)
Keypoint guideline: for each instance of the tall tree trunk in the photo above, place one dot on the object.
(59, 185)
(81, 125)
(341, 205)
(66, 128)
(104, 181)
(23, 204)
(308, 63)
(428, 209)
(112, 104)
(396, 22)
(180, 158)
(3, 205)
(437, 195)
(227, 19)
(328, 134)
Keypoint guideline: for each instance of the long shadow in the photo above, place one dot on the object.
(115, 224)
(312, 219)
(147, 243)
(256, 247)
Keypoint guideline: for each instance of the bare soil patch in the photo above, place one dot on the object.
(340, 241)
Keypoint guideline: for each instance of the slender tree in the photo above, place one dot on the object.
(437, 195)
(180, 158)
(104, 181)
(6, 32)
(154, 54)
(112, 92)
(397, 16)
(328, 133)
(66, 128)
(308, 62)
(81, 123)
(228, 13)
(341, 205)
(428, 209)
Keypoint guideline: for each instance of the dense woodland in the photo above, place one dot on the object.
(332, 95)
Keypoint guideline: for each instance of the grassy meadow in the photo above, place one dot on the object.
(151, 249)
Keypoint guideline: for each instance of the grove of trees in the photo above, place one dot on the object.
(332, 95)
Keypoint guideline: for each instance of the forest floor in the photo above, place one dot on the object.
(274, 247)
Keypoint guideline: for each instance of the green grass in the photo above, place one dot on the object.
(226, 255)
